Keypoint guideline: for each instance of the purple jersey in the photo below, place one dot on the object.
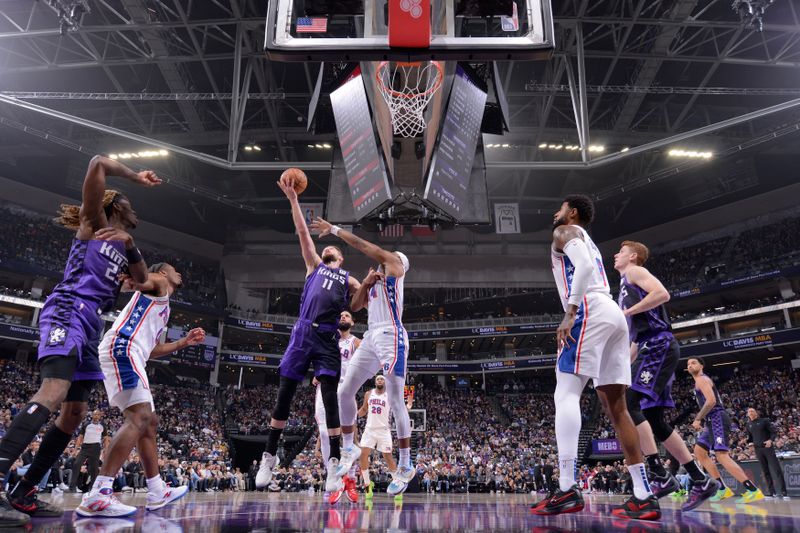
(642, 326)
(91, 274)
(325, 295)
(701, 400)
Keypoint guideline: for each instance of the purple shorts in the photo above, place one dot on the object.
(312, 344)
(716, 431)
(653, 371)
(72, 329)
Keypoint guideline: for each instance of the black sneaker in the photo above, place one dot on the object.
(543, 501)
(25, 500)
(10, 517)
(570, 501)
(662, 486)
(634, 508)
(701, 491)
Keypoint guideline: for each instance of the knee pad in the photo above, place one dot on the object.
(286, 391)
(633, 399)
(661, 430)
(330, 400)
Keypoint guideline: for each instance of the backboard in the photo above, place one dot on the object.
(408, 30)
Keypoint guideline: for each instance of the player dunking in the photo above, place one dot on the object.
(348, 343)
(385, 346)
(593, 342)
(654, 358)
(314, 340)
(377, 433)
(124, 352)
(70, 328)
(715, 437)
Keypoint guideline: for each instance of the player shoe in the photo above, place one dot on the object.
(334, 483)
(10, 517)
(335, 496)
(570, 501)
(661, 486)
(264, 475)
(169, 495)
(543, 501)
(370, 487)
(103, 504)
(701, 491)
(25, 500)
(751, 496)
(636, 509)
(723, 494)
(350, 489)
(400, 480)
(349, 456)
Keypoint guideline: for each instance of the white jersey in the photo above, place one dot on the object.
(347, 347)
(135, 333)
(386, 302)
(563, 271)
(378, 411)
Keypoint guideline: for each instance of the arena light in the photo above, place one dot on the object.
(597, 148)
(691, 154)
(728, 363)
(543, 145)
(145, 154)
(625, 149)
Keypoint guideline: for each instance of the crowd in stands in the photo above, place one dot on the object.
(38, 242)
(247, 410)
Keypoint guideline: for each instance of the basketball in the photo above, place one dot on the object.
(298, 177)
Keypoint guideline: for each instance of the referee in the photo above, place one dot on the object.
(92, 438)
(762, 435)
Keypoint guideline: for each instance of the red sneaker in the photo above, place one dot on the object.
(350, 489)
(334, 498)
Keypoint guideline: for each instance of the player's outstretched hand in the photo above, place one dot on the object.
(195, 336)
(287, 186)
(147, 178)
(321, 225)
(114, 234)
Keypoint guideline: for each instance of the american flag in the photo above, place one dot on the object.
(394, 230)
(312, 24)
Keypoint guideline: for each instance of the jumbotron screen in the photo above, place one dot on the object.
(451, 168)
(363, 162)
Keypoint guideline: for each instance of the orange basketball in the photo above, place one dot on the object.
(297, 177)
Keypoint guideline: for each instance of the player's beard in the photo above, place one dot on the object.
(344, 327)
(379, 389)
(559, 222)
(329, 258)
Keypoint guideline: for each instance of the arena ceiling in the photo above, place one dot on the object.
(192, 74)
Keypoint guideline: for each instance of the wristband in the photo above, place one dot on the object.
(133, 255)
(335, 230)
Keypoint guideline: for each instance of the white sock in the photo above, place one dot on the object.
(347, 439)
(365, 476)
(641, 488)
(155, 485)
(566, 473)
(405, 457)
(102, 482)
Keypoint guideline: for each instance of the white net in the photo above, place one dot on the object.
(407, 88)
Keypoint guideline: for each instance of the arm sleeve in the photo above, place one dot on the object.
(578, 254)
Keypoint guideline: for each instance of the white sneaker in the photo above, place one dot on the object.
(170, 494)
(349, 456)
(264, 476)
(401, 478)
(63, 486)
(103, 503)
(333, 482)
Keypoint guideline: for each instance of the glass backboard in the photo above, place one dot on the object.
(370, 30)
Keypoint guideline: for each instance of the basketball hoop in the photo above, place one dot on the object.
(407, 88)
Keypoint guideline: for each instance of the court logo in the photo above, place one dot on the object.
(645, 377)
(57, 336)
(412, 7)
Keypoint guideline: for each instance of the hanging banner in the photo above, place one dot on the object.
(506, 218)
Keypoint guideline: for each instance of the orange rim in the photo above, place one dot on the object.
(417, 64)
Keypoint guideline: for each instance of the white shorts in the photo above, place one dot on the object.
(601, 349)
(377, 440)
(385, 347)
(125, 380)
